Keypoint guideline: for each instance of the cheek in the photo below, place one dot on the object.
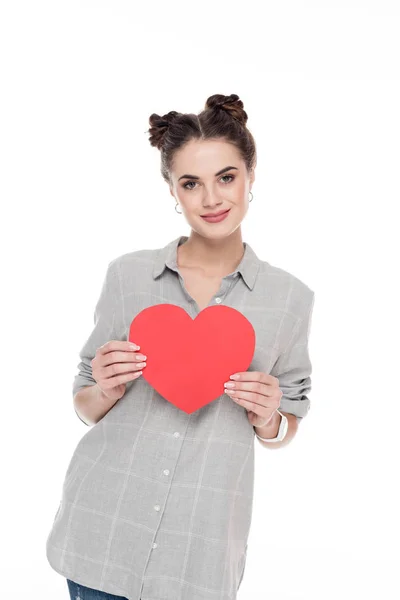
(186, 201)
(239, 191)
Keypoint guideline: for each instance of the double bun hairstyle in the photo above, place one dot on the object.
(223, 117)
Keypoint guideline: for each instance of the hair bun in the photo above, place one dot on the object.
(159, 126)
(230, 104)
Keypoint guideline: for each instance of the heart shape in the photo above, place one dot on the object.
(189, 360)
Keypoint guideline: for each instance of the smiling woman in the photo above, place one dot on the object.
(157, 503)
(217, 136)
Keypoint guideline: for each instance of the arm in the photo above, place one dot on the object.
(271, 430)
(293, 369)
(89, 402)
(91, 405)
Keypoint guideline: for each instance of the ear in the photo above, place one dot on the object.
(252, 176)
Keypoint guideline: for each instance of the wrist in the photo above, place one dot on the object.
(271, 429)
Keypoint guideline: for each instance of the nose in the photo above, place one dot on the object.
(211, 200)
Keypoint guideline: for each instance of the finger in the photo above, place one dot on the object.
(249, 404)
(119, 368)
(113, 345)
(255, 386)
(254, 376)
(118, 356)
(250, 400)
(118, 379)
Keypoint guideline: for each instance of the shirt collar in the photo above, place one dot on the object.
(248, 266)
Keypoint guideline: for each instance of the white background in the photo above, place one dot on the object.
(81, 185)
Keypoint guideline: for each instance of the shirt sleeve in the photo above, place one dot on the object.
(293, 368)
(105, 328)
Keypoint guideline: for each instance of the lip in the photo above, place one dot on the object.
(214, 218)
(220, 212)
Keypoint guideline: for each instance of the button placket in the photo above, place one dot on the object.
(225, 288)
(157, 507)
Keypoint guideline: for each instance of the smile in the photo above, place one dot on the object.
(217, 219)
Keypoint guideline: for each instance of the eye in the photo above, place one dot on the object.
(232, 177)
(186, 184)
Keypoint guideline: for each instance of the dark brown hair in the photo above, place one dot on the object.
(222, 117)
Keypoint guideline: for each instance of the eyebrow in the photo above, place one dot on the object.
(216, 174)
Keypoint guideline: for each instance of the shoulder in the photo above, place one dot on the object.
(285, 289)
(144, 257)
(132, 266)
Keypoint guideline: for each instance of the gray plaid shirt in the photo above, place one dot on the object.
(157, 503)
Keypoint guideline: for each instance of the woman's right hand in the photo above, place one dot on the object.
(114, 364)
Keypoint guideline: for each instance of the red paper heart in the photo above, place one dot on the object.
(188, 360)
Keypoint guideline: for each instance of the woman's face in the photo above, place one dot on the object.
(199, 190)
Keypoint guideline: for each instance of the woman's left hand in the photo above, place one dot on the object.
(258, 393)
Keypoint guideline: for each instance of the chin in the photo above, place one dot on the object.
(220, 234)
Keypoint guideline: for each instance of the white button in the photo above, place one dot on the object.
(157, 507)
(176, 434)
(166, 471)
(218, 300)
(154, 545)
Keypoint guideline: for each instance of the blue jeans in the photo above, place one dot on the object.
(77, 591)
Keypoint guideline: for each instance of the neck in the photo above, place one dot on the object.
(211, 255)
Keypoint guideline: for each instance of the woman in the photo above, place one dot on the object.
(157, 503)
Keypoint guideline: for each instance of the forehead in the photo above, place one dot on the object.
(205, 157)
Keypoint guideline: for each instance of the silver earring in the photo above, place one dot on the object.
(251, 196)
(179, 213)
